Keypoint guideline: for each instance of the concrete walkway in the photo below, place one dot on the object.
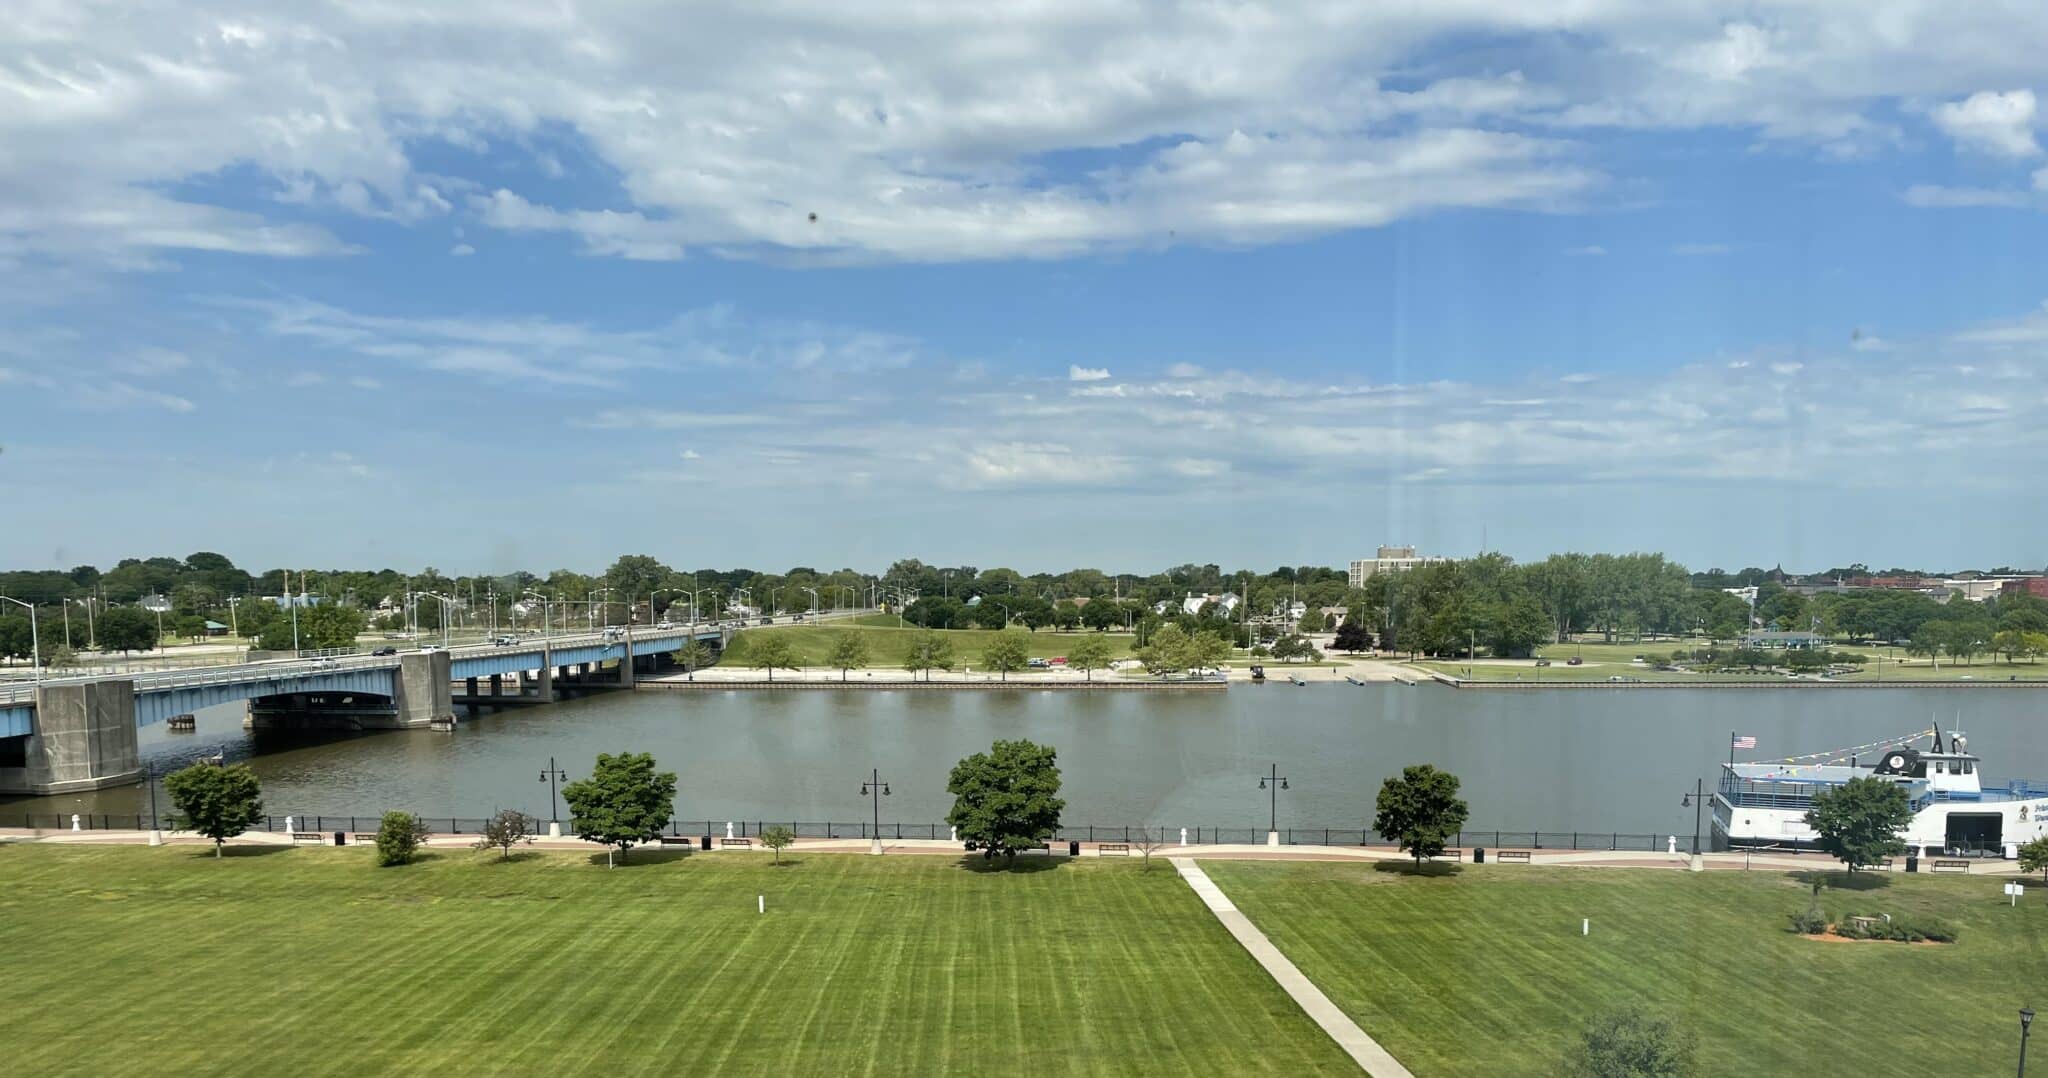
(1335, 1022)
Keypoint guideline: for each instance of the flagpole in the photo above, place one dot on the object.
(1731, 748)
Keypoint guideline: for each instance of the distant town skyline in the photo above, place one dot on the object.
(1737, 282)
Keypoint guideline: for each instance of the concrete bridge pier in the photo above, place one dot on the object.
(421, 689)
(83, 739)
(626, 665)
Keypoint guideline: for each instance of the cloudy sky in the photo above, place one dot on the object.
(1038, 284)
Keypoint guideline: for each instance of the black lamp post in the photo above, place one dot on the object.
(2026, 1019)
(1278, 782)
(875, 789)
(1695, 800)
(149, 776)
(551, 776)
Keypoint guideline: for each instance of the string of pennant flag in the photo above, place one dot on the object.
(1836, 755)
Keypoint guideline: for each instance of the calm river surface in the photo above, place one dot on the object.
(1559, 760)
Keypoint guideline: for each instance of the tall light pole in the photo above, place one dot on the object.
(1695, 800)
(552, 776)
(35, 640)
(1273, 782)
(447, 612)
(814, 601)
(234, 615)
(545, 632)
(875, 789)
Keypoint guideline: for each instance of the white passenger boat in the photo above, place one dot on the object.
(1955, 812)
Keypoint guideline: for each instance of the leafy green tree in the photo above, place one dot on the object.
(1165, 651)
(693, 655)
(1420, 810)
(623, 802)
(331, 625)
(1860, 820)
(1007, 650)
(190, 626)
(1291, 647)
(1631, 1043)
(125, 629)
(399, 837)
(16, 641)
(929, 650)
(1006, 799)
(778, 839)
(1088, 655)
(2034, 856)
(769, 650)
(1207, 650)
(218, 802)
(849, 651)
(1353, 637)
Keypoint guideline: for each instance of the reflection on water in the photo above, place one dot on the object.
(1600, 760)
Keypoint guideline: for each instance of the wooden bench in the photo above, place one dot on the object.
(746, 842)
(1512, 855)
(1449, 855)
(1113, 847)
(366, 838)
(316, 838)
(1948, 866)
(680, 840)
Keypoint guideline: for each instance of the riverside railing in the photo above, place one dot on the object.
(1199, 835)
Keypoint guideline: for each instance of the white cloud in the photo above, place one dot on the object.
(1700, 249)
(1935, 196)
(462, 250)
(923, 132)
(691, 454)
(1077, 373)
(2000, 123)
(1184, 370)
(1589, 251)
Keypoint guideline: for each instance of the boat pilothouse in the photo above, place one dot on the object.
(1955, 812)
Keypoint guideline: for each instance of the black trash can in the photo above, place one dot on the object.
(1478, 855)
(1073, 849)
(704, 841)
(1912, 862)
(341, 838)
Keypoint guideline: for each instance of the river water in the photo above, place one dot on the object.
(1556, 760)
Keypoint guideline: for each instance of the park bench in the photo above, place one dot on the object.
(1949, 866)
(746, 842)
(676, 840)
(305, 837)
(1512, 855)
(1113, 847)
(1449, 855)
(364, 838)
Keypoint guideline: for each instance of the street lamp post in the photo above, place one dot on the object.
(875, 789)
(814, 601)
(2026, 1020)
(551, 776)
(545, 632)
(1696, 800)
(156, 835)
(35, 640)
(1273, 783)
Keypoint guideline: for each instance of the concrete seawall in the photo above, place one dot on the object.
(798, 685)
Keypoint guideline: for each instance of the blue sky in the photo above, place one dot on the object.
(1115, 285)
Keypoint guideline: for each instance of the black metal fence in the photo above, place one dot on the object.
(1165, 836)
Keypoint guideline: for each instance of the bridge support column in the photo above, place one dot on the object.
(83, 738)
(421, 689)
(547, 675)
(626, 665)
(497, 685)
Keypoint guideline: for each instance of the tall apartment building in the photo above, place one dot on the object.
(1391, 559)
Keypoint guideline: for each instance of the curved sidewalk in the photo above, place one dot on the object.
(1366, 1051)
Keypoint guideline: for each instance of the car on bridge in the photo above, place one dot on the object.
(504, 640)
(664, 625)
(383, 651)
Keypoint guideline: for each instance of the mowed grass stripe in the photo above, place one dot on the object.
(1485, 972)
(127, 960)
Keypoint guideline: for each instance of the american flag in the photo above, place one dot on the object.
(1743, 741)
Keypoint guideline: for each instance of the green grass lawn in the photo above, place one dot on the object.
(129, 960)
(888, 646)
(1484, 972)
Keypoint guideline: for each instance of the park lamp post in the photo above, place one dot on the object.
(2026, 1020)
(1273, 783)
(551, 776)
(35, 639)
(1696, 800)
(875, 789)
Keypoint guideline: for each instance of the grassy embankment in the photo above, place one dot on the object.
(1484, 972)
(138, 961)
(888, 645)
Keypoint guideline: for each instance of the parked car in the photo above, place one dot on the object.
(1037, 664)
(1573, 661)
(1543, 662)
(767, 621)
(383, 651)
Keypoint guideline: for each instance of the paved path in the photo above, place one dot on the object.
(1335, 1022)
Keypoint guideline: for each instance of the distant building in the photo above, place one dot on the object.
(155, 604)
(1391, 559)
(1774, 641)
(2036, 586)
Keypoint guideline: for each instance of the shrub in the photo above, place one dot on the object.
(1809, 922)
(1930, 928)
(399, 837)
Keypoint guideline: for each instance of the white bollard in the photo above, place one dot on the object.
(1671, 846)
(761, 903)
(1183, 836)
(156, 838)
(954, 832)
(554, 829)
(1585, 926)
(74, 822)
(728, 828)
(291, 823)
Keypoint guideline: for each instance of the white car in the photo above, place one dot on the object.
(425, 648)
(664, 625)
